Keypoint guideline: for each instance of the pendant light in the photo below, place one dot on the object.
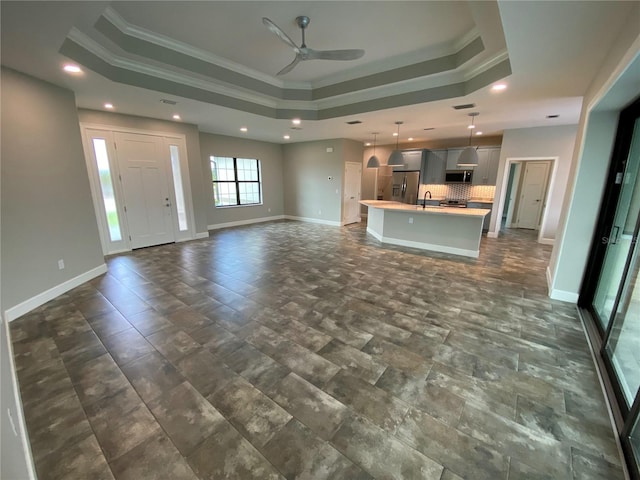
(396, 157)
(374, 162)
(469, 156)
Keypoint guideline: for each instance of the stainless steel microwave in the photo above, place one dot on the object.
(458, 176)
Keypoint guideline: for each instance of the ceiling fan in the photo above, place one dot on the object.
(305, 53)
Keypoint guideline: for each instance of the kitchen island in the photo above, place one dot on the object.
(439, 229)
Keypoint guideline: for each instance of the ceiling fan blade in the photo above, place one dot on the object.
(333, 54)
(278, 31)
(289, 67)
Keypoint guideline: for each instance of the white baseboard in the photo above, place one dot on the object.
(547, 241)
(218, 226)
(493, 234)
(425, 246)
(200, 235)
(26, 445)
(42, 298)
(562, 295)
(314, 220)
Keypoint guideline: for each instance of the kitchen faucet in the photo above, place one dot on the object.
(424, 200)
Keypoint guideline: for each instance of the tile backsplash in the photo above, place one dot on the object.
(458, 191)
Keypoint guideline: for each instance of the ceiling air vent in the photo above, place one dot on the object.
(168, 102)
(354, 122)
(463, 107)
(553, 116)
(430, 128)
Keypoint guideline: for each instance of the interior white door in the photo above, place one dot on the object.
(145, 184)
(351, 205)
(532, 192)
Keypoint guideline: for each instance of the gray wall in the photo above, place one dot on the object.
(270, 156)
(47, 209)
(539, 142)
(193, 150)
(308, 193)
(613, 86)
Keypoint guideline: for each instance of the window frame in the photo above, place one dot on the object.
(237, 182)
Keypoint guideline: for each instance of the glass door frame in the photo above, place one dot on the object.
(625, 417)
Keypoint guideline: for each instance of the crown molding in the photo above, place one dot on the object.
(166, 42)
(105, 55)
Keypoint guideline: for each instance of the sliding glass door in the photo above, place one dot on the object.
(610, 297)
(620, 240)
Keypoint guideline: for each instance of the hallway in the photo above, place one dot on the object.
(296, 350)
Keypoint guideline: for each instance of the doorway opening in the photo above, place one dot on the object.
(527, 184)
(351, 195)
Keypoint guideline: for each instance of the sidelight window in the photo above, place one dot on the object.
(106, 187)
(236, 181)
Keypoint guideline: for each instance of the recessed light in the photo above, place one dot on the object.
(243, 129)
(286, 137)
(499, 86)
(296, 121)
(108, 105)
(69, 68)
(478, 133)
(395, 134)
(471, 126)
(176, 117)
(410, 138)
(368, 144)
(553, 116)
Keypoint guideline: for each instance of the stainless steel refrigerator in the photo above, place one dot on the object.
(404, 186)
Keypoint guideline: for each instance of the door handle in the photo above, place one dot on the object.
(614, 237)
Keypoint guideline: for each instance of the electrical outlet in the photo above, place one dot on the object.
(268, 210)
(410, 219)
(319, 212)
(61, 264)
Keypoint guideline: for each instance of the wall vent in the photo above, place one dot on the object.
(168, 102)
(463, 107)
(354, 122)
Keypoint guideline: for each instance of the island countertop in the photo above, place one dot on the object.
(440, 229)
(428, 210)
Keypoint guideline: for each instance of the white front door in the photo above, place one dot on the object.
(145, 184)
(351, 205)
(532, 193)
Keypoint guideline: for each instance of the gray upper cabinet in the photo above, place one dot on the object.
(452, 158)
(412, 160)
(433, 167)
(486, 172)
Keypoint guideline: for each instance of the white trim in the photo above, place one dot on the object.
(425, 246)
(546, 241)
(551, 178)
(563, 296)
(549, 279)
(218, 226)
(186, 49)
(42, 298)
(26, 445)
(201, 235)
(313, 220)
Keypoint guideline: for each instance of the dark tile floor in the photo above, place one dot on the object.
(294, 350)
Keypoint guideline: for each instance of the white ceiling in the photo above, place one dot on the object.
(554, 49)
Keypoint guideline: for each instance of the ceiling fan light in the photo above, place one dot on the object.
(374, 162)
(468, 157)
(396, 158)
